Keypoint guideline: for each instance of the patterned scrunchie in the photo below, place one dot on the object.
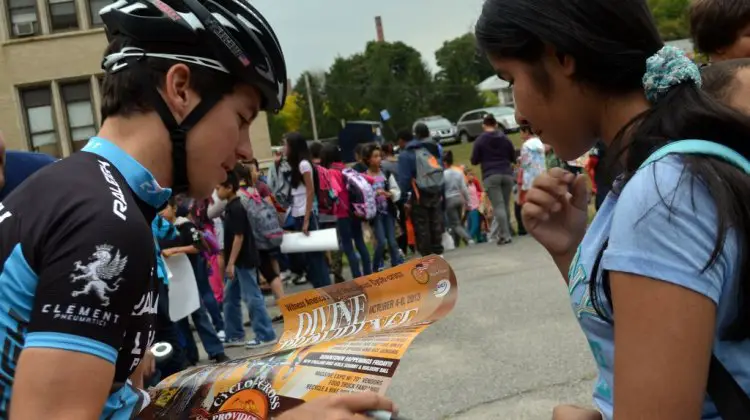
(668, 68)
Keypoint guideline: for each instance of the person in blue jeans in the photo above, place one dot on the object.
(384, 223)
(198, 216)
(187, 239)
(242, 261)
(302, 210)
(348, 228)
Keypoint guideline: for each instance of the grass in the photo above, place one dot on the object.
(462, 156)
(462, 153)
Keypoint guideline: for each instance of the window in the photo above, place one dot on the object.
(80, 113)
(62, 14)
(94, 7)
(23, 18)
(40, 121)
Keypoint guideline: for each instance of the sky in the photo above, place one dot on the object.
(314, 32)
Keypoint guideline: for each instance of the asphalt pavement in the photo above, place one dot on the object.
(511, 348)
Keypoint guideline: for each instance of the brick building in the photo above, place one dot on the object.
(50, 74)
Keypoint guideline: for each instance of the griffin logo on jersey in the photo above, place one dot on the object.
(103, 269)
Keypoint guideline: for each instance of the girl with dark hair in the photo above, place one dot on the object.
(348, 228)
(387, 193)
(303, 200)
(667, 254)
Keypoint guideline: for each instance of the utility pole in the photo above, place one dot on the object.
(312, 106)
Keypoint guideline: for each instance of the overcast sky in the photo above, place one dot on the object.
(314, 32)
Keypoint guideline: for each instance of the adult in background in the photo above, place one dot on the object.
(495, 154)
(16, 166)
(426, 208)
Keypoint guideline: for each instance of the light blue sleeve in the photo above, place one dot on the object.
(665, 227)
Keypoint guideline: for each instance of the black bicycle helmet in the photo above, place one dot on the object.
(229, 36)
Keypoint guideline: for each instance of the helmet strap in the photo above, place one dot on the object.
(178, 135)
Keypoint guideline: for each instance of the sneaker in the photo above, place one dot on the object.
(234, 342)
(222, 336)
(504, 241)
(255, 343)
(221, 358)
(471, 242)
(299, 280)
(279, 318)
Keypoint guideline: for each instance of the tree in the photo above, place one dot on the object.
(462, 67)
(671, 18)
(287, 120)
(328, 125)
(386, 75)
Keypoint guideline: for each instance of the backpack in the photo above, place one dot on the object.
(326, 190)
(361, 195)
(429, 178)
(729, 398)
(282, 185)
(263, 219)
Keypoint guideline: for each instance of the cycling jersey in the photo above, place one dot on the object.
(77, 270)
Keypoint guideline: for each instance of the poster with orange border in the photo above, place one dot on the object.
(344, 338)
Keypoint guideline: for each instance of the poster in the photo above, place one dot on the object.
(344, 338)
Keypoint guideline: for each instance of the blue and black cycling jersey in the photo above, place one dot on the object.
(77, 266)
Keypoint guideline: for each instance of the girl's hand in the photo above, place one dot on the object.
(572, 412)
(339, 407)
(306, 227)
(556, 210)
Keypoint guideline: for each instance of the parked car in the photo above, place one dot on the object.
(469, 126)
(442, 130)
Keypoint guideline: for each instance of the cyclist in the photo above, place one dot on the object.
(184, 80)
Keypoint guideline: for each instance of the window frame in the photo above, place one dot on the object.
(52, 16)
(95, 12)
(69, 98)
(9, 8)
(25, 106)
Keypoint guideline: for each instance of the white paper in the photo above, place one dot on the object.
(319, 240)
(184, 298)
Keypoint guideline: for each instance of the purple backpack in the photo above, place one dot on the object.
(361, 195)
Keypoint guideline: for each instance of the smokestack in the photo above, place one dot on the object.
(379, 28)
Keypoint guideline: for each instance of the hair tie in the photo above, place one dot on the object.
(667, 68)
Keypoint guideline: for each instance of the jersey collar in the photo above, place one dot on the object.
(138, 178)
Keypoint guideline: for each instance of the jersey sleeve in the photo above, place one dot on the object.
(665, 227)
(92, 268)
